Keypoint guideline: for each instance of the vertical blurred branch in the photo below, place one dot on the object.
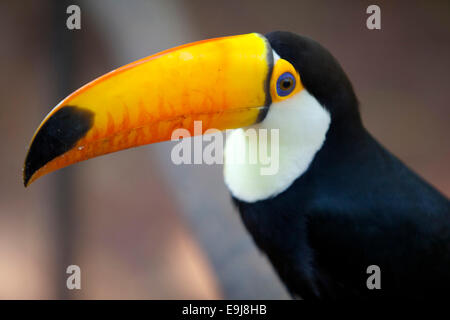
(62, 46)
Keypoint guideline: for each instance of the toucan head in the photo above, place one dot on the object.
(280, 80)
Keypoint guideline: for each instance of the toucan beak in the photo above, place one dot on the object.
(222, 82)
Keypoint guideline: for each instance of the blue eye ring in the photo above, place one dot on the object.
(285, 84)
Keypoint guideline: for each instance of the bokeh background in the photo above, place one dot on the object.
(136, 224)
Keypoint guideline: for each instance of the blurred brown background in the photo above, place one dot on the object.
(141, 227)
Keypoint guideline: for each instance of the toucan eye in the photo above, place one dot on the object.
(285, 84)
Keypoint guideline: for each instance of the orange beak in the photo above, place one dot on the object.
(222, 82)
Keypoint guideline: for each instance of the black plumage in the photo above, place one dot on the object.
(356, 205)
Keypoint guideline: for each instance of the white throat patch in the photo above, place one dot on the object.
(302, 123)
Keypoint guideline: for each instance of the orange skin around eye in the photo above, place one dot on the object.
(279, 68)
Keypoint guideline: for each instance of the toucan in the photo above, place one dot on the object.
(339, 203)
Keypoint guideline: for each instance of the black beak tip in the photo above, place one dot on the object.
(56, 136)
(26, 177)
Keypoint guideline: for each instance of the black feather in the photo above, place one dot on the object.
(357, 205)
